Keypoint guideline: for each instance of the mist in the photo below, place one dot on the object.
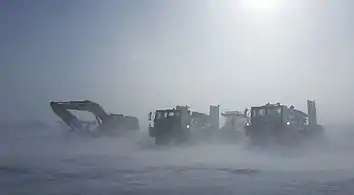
(136, 150)
(50, 159)
(134, 57)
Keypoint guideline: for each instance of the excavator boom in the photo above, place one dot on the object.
(61, 109)
(105, 121)
(86, 105)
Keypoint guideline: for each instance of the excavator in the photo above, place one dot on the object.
(104, 122)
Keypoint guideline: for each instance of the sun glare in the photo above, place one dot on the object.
(260, 5)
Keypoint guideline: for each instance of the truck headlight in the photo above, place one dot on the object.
(287, 123)
(188, 126)
(247, 124)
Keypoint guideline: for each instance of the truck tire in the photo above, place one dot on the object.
(162, 140)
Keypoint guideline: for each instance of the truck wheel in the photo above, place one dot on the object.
(161, 140)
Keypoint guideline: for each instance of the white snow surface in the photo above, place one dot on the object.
(48, 162)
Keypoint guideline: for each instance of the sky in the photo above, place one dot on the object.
(135, 56)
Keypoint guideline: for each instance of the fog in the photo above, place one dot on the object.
(133, 57)
(136, 150)
(52, 161)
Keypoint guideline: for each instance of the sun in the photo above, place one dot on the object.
(260, 5)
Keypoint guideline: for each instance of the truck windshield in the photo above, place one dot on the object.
(269, 111)
(258, 112)
(273, 111)
(158, 115)
(166, 115)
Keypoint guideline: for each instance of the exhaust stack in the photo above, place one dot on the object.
(214, 116)
(185, 115)
(311, 110)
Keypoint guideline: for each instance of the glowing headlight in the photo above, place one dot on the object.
(187, 126)
(288, 123)
(247, 124)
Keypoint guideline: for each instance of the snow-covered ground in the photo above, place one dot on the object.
(46, 162)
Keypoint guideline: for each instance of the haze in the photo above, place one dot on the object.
(136, 56)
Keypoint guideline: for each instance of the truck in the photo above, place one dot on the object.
(205, 127)
(180, 124)
(104, 123)
(233, 128)
(280, 124)
(170, 124)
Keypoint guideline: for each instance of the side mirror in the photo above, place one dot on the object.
(150, 113)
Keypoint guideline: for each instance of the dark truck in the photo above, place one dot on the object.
(170, 125)
(180, 125)
(279, 124)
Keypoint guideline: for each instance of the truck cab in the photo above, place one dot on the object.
(269, 114)
(276, 122)
(169, 124)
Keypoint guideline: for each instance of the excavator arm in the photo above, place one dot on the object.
(61, 109)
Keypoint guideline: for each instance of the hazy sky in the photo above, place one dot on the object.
(133, 56)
